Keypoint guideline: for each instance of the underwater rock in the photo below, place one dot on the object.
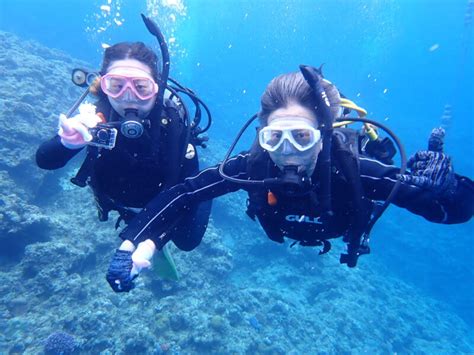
(218, 323)
(40, 256)
(40, 75)
(18, 306)
(32, 96)
(235, 317)
(206, 342)
(135, 346)
(21, 223)
(280, 307)
(222, 267)
(262, 347)
(179, 322)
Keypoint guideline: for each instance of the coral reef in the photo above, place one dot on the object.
(238, 292)
(59, 343)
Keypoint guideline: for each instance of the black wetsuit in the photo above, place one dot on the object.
(298, 217)
(129, 176)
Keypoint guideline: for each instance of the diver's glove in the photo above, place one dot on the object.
(432, 169)
(74, 132)
(119, 274)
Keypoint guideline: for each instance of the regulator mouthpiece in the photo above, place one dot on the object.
(131, 127)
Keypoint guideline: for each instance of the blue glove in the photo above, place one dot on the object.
(432, 169)
(118, 275)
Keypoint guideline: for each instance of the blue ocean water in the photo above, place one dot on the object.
(403, 61)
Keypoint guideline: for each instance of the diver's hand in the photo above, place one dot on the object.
(432, 169)
(119, 273)
(142, 256)
(74, 132)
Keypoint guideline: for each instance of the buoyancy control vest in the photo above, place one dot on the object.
(168, 156)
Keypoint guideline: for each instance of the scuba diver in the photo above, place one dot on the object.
(307, 180)
(140, 137)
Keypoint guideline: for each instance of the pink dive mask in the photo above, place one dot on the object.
(114, 85)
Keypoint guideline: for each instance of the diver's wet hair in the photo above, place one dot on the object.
(293, 88)
(120, 51)
(283, 90)
(131, 50)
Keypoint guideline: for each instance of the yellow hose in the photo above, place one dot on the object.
(351, 104)
(369, 129)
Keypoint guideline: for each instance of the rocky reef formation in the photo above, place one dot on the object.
(238, 292)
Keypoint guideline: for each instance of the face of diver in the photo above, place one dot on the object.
(287, 154)
(131, 68)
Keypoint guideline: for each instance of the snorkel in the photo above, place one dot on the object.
(133, 126)
(322, 109)
(193, 131)
(358, 240)
(165, 57)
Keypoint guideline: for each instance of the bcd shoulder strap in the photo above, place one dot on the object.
(174, 141)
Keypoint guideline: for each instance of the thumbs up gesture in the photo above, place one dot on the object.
(432, 169)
